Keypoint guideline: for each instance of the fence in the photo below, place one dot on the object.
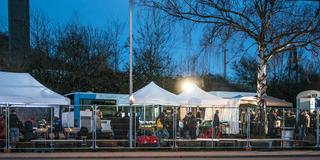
(173, 127)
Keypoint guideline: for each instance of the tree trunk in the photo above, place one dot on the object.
(261, 90)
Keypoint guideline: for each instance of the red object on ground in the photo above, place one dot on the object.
(210, 132)
(147, 140)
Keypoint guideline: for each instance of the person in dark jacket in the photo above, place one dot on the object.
(193, 126)
(272, 118)
(125, 126)
(28, 130)
(116, 126)
(313, 119)
(169, 122)
(186, 126)
(216, 124)
(57, 125)
(14, 125)
(302, 125)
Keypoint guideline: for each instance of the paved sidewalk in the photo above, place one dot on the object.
(153, 154)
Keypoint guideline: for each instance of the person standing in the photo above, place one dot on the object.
(169, 122)
(313, 123)
(186, 126)
(162, 132)
(302, 125)
(125, 126)
(272, 118)
(14, 125)
(28, 130)
(216, 124)
(308, 123)
(57, 125)
(193, 126)
(253, 122)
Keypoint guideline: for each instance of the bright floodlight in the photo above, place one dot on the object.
(131, 99)
(187, 86)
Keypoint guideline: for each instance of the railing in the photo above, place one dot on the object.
(107, 127)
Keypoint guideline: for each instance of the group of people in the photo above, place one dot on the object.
(307, 124)
(274, 118)
(164, 126)
(189, 126)
(15, 128)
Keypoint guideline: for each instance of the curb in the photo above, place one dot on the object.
(270, 155)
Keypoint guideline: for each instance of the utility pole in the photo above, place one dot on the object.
(130, 80)
(225, 64)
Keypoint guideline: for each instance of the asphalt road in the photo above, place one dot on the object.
(253, 158)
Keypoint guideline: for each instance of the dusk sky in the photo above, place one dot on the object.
(100, 13)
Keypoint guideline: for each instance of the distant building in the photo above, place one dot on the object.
(19, 26)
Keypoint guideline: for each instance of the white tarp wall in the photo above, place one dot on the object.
(229, 113)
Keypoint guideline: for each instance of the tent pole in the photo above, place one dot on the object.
(248, 128)
(68, 124)
(144, 119)
(95, 126)
(7, 127)
(51, 145)
(317, 132)
(212, 115)
(117, 107)
(135, 125)
(174, 127)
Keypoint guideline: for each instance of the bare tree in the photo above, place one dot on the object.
(275, 26)
(40, 32)
(155, 38)
(113, 37)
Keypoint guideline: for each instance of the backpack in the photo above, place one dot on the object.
(159, 124)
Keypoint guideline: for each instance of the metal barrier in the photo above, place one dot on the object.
(172, 127)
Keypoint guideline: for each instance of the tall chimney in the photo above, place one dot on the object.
(19, 32)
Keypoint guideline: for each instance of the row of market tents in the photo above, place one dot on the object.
(22, 90)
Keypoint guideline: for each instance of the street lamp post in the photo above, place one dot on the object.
(130, 79)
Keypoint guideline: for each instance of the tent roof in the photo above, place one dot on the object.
(23, 89)
(152, 94)
(197, 96)
(308, 94)
(250, 97)
(229, 95)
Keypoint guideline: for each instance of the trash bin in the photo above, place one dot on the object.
(287, 133)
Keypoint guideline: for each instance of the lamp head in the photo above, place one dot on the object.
(187, 86)
(131, 100)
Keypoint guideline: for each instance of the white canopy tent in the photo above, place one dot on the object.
(152, 94)
(228, 109)
(198, 97)
(250, 98)
(21, 89)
